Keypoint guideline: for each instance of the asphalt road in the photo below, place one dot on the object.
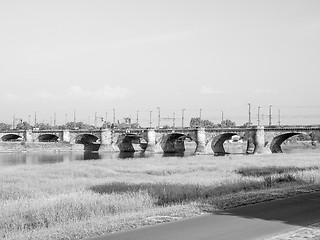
(255, 221)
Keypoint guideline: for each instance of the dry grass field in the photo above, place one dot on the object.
(74, 200)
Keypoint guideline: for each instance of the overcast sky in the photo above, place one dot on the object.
(92, 56)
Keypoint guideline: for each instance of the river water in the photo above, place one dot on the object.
(32, 158)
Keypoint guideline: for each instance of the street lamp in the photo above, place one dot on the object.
(221, 117)
(138, 117)
(200, 117)
(150, 123)
(249, 105)
(182, 118)
(259, 116)
(95, 119)
(270, 111)
(158, 117)
(174, 120)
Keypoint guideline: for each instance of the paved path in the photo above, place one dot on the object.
(256, 221)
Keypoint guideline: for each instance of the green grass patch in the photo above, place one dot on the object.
(269, 170)
(172, 193)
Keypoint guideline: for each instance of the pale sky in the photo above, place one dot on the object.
(62, 56)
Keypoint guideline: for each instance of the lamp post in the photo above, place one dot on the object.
(95, 119)
(200, 117)
(14, 122)
(270, 112)
(158, 117)
(182, 118)
(174, 120)
(249, 105)
(35, 118)
(259, 116)
(150, 122)
(221, 117)
(137, 117)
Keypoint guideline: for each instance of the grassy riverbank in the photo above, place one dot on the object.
(85, 198)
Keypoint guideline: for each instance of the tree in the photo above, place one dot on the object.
(23, 126)
(106, 125)
(196, 122)
(228, 123)
(246, 125)
(5, 126)
(43, 126)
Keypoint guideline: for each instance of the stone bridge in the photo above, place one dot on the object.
(207, 141)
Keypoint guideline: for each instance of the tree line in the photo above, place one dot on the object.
(24, 125)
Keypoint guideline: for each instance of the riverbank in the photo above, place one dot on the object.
(80, 199)
(39, 146)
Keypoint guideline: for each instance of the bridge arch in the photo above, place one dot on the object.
(217, 143)
(48, 138)
(86, 139)
(125, 142)
(173, 142)
(275, 145)
(11, 137)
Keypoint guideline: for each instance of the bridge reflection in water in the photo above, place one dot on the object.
(38, 158)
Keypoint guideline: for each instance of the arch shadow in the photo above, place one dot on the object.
(174, 143)
(48, 138)
(86, 139)
(125, 142)
(218, 141)
(11, 138)
(275, 145)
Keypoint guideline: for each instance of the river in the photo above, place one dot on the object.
(46, 157)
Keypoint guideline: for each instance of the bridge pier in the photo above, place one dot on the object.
(28, 136)
(66, 136)
(200, 139)
(152, 145)
(106, 141)
(260, 147)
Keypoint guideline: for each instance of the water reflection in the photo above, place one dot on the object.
(178, 154)
(88, 155)
(34, 158)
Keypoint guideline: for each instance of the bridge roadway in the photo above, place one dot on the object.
(259, 139)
